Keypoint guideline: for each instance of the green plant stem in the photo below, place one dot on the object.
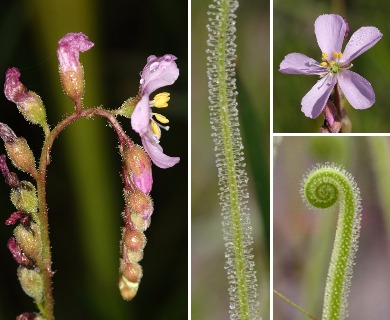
(44, 264)
(294, 305)
(230, 165)
(323, 187)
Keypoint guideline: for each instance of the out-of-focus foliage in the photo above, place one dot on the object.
(84, 185)
(303, 239)
(208, 281)
(294, 32)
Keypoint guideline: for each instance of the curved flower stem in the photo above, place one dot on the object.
(44, 264)
(324, 186)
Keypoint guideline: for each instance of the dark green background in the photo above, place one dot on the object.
(84, 185)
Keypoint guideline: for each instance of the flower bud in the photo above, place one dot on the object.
(138, 164)
(135, 221)
(24, 197)
(29, 104)
(10, 178)
(127, 288)
(131, 271)
(29, 240)
(32, 282)
(139, 203)
(24, 218)
(18, 254)
(134, 256)
(18, 150)
(29, 316)
(134, 240)
(70, 68)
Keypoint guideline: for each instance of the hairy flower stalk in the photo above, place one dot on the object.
(322, 188)
(137, 180)
(30, 244)
(237, 230)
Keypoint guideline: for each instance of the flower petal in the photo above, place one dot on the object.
(158, 72)
(362, 40)
(330, 31)
(69, 48)
(356, 89)
(314, 101)
(155, 152)
(14, 90)
(140, 117)
(298, 63)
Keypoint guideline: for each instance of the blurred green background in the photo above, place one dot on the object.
(303, 239)
(84, 185)
(294, 32)
(208, 278)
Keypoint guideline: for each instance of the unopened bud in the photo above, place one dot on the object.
(32, 282)
(139, 203)
(24, 218)
(29, 240)
(18, 150)
(70, 68)
(134, 221)
(24, 197)
(127, 288)
(131, 271)
(138, 164)
(19, 256)
(134, 256)
(134, 240)
(29, 103)
(10, 178)
(29, 316)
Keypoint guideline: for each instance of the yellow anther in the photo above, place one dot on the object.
(331, 63)
(161, 118)
(155, 128)
(324, 64)
(324, 56)
(161, 100)
(337, 55)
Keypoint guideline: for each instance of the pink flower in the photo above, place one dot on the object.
(158, 72)
(29, 103)
(69, 48)
(330, 30)
(14, 90)
(71, 70)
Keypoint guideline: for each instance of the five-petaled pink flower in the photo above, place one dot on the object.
(330, 30)
(158, 72)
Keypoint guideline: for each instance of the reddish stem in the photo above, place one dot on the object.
(44, 264)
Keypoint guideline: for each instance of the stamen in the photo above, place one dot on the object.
(161, 118)
(324, 56)
(331, 63)
(324, 64)
(337, 55)
(161, 100)
(155, 128)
